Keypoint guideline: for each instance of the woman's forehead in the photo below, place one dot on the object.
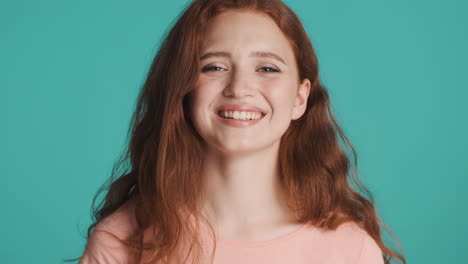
(241, 31)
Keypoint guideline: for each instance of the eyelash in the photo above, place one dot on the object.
(211, 67)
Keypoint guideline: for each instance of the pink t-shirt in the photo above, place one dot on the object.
(348, 244)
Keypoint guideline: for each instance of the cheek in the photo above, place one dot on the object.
(206, 88)
(203, 91)
(203, 96)
(281, 92)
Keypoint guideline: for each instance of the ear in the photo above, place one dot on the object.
(300, 103)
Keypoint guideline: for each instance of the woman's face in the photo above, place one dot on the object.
(246, 62)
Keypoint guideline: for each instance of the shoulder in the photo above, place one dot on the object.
(105, 242)
(351, 242)
(121, 222)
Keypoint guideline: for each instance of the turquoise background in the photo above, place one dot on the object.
(70, 72)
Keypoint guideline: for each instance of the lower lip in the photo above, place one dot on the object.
(239, 122)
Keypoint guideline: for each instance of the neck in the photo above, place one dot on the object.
(243, 191)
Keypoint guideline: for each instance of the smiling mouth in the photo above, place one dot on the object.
(249, 117)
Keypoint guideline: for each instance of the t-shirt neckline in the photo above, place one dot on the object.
(235, 243)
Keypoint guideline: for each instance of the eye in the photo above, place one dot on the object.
(269, 69)
(209, 68)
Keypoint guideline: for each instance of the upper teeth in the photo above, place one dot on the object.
(240, 115)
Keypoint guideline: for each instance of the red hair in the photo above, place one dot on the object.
(157, 169)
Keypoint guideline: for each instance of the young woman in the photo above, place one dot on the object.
(234, 155)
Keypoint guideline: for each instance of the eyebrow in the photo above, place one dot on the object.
(261, 54)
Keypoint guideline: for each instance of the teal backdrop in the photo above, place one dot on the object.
(70, 72)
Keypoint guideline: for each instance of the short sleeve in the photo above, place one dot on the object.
(370, 252)
(105, 243)
(104, 248)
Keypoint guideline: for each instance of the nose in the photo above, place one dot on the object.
(239, 85)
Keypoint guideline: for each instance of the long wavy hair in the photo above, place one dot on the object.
(156, 170)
